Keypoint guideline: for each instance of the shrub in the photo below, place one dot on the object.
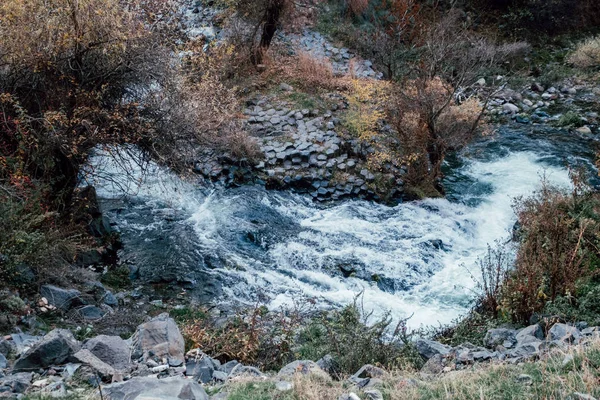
(558, 250)
(587, 54)
(353, 340)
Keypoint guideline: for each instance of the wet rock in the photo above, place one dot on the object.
(54, 349)
(500, 337)
(429, 348)
(63, 299)
(160, 337)
(112, 350)
(158, 389)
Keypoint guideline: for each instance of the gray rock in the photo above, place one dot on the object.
(373, 394)
(284, 386)
(349, 396)
(219, 376)
(174, 388)
(112, 350)
(302, 367)
(564, 333)
(54, 349)
(285, 87)
(202, 368)
(63, 299)
(532, 330)
(7, 347)
(510, 108)
(581, 396)
(228, 366)
(328, 364)
(500, 337)
(245, 371)
(3, 361)
(159, 337)
(16, 383)
(90, 313)
(591, 331)
(105, 371)
(109, 299)
(434, 365)
(525, 379)
(429, 348)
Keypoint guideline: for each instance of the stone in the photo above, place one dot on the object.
(54, 349)
(581, 396)
(536, 87)
(285, 87)
(63, 299)
(525, 379)
(373, 394)
(284, 386)
(202, 368)
(429, 348)
(16, 383)
(90, 313)
(301, 367)
(584, 130)
(112, 350)
(7, 347)
(591, 331)
(434, 366)
(159, 337)
(240, 371)
(105, 371)
(157, 389)
(564, 333)
(3, 361)
(510, 108)
(532, 330)
(219, 376)
(228, 366)
(349, 396)
(500, 336)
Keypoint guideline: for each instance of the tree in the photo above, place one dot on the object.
(432, 113)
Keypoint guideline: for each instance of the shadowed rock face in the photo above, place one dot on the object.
(54, 349)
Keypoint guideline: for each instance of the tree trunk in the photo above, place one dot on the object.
(271, 18)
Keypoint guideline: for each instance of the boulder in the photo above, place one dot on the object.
(202, 368)
(500, 337)
(16, 383)
(429, 348)
(373, 394)
(63, 299)
(3, 361)
(7, 348)
(328, 364)
(90, 313)
(54, 349)
(244, 371)
(174, 388)
(228, 366)
(112, 350)
(434, 366)
(105, 371)
(159, 337)
(564, 333)
(510, 108)
(532, 330)
(301, 367)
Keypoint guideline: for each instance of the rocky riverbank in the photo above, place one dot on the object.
(153, 362)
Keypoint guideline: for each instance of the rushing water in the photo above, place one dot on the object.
(231, 245)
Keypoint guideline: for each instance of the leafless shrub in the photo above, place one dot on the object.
(587, 54)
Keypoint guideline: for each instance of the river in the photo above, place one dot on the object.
(247, 244)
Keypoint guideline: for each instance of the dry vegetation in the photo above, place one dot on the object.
(549, 378)
(587, 54)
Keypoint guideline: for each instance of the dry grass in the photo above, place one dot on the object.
(587, 54)
(549, 378)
